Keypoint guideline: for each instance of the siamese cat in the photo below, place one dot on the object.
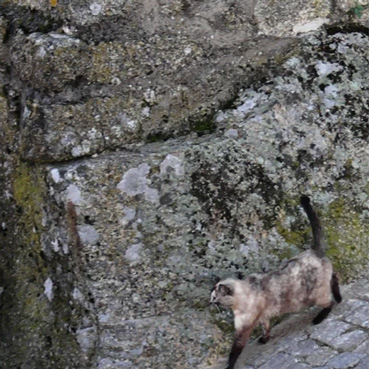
(306, 280)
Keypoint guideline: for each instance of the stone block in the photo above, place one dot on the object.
(364, 363)
(49, 61)
(345, 360)
(349, 341)
(146, 228)
(280, 360)
(302, 348)
(364, 347)
(285, 19)
(328, 332)
(320, 356)
(360, 316)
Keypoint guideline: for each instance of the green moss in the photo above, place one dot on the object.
(346, 234)
(26, 307)
(291, 236)
(204, 126)
(27, 191)
(286, 253)
(37, 327)
(347, 237)
(295, 234)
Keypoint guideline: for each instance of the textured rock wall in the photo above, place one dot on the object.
(148, 146)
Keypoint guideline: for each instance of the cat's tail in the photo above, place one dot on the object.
(318, 234)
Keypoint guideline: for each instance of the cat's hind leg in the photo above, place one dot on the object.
(335, 287)
(337, 298)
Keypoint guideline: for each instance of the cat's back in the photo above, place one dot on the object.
(303, 263)
(298, 283)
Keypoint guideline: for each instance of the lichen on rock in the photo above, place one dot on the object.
(148, 149)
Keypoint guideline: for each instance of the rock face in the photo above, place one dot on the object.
(147, 147)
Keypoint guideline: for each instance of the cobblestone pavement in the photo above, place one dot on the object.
(339, 342)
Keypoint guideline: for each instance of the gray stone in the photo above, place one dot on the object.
(148, 147)
(320, 356)
(280, 360)
(349, 340)
(328, 332)
(268, 351)
(87, 83)
(49, 61)
(345, 360)
(292, 339)
(300, 366)
(306, 16)
(364, 363)
(360, 316)
(347, 307)
(114, 364)
(364, 347)
(302, 348)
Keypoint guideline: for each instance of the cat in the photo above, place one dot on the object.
(307, 279)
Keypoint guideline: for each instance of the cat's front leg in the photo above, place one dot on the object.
(242, 335)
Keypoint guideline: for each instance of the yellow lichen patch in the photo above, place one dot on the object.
(31, 271)
(105, 61)
(347, 237)
(292, 231)
(27, 189)
(292, 237)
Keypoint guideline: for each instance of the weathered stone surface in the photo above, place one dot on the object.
(349, 307)
(329, 331)
(280, 19)
(165, 81)
(360, 316)
(49, 61)
(364, 363)
(302, 348)
(3, 25)
(82, 129)
(349, 340)
(43, 315)
(280, 361)
(345, 360)
(112, 241)
(267, 107)
(320, 356)
(364, 347)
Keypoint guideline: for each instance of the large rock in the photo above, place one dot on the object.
(147, 148)
(82, 99)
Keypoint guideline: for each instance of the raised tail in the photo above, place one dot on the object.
(318, 234)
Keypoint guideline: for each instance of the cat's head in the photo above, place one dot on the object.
(223, 293)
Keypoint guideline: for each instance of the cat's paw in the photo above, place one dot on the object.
(263, 340)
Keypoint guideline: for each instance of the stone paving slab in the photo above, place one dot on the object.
(340, 342)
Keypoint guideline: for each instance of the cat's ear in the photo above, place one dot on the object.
(225, 290)
(217, 279)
